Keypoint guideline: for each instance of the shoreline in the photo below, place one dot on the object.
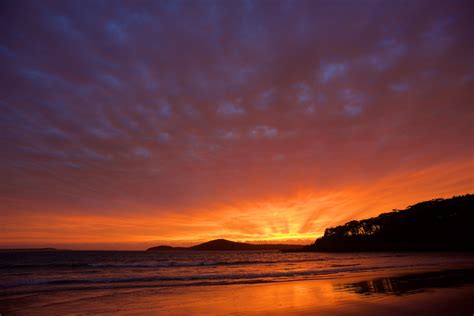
(341, 294)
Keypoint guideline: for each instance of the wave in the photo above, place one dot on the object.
(164, 263)
(223, 278)
(43, 265)
(172, 264)
(152, 264)
(193, 263)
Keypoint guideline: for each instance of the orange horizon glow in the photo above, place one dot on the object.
(296, 219)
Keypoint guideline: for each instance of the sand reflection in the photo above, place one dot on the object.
(410, 283)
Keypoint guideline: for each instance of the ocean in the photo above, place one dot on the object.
(30, 273)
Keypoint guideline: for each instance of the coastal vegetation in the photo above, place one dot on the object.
(435, 225)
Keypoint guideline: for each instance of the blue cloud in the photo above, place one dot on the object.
(263, 131)
(141, 152)
(164, 137)
(400, 87)
(230, 109)
(332, 71)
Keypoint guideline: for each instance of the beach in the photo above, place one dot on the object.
(424, 284)
(321, 297)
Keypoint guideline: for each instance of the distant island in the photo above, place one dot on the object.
(30, 249)
(227, 245)
(436, 225)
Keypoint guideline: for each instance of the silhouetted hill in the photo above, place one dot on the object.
(436, 225)
(227, 245)
(223, 244)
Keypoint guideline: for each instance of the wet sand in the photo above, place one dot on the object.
(386, 293)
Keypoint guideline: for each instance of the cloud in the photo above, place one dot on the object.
(242, 105)
(264, 99)
(165, 110)
(164, 137)
(399, 87)
(263, 131)
(229, 135)
(141, 152)
(332, 71)
(230, 109)
(354, 101)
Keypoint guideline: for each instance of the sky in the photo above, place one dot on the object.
(128, 124)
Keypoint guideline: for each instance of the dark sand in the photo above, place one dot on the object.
(385, 293)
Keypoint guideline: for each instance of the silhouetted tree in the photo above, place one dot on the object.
(436, 225)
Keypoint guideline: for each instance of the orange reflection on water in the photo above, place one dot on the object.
(430, 293)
